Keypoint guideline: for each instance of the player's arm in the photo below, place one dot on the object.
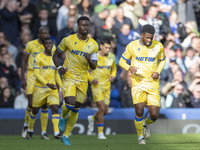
(58, 80)
(113, 72)
(25, 57)
(162, 62)
(124, 58)
(91, 78)
(92, 60)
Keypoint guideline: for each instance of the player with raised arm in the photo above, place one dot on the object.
(81, 53)
(33, 48)
(46, 89)
(147, 61)
(101, 79)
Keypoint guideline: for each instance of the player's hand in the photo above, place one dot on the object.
(132, 69)
(62, 70)
(155, 75)
(87, 56)
(112, 78)
(23, 83)
(95, 81)
(52, 86)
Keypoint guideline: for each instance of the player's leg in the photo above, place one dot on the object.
(151, 118)
(153, 102)
(100, 119)
(44, 121)
(139, 97)
(69, 94)
(139, 111)
(28, 110)
(55, 120)
(31, 121)
(29, 91)
(71, 119)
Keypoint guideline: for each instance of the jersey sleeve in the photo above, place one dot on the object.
(63, 45)
(125, 57)
(36, 67)
(113, 69)
(162, 53)
(27, 49)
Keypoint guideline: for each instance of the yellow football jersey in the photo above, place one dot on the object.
(146, 59)
(75, 60)
(47, 70)
(106, 67)
(32, 49)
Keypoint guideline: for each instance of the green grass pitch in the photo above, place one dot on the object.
(113, 142)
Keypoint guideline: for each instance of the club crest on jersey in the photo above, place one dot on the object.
(138, 49)
(75, 43)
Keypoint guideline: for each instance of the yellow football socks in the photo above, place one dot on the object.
(139, 125)
(55, 120)
(44, 119)
(31, 121)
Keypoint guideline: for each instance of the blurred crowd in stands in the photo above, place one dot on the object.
(177, 24)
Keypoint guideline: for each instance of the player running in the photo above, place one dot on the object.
(45, 87)
(81, 53)
(147, 61)
(32, 49)
(101, 79)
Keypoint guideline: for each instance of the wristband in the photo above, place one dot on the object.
(59, 67)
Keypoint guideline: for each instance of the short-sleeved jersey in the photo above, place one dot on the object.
(75, 60)
(106, 67)
(47, 69)
(145, 58)
(32, 49)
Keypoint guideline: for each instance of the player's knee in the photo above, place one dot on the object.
(54, 109)
(139, 113)
(44, 106)
(35, 110)
(154, 116)
(30, 106)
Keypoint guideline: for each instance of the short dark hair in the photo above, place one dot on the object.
(82, 18)
(148, 29)
(107, 41)
(47, 38)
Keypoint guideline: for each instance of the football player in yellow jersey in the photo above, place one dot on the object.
(32, 49)
(147, 61)
(101, 79)
(45, 87)
(81, 53)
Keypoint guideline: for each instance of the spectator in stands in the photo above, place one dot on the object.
(7, 69)
(67, 30)
(62, 12)
(190, 58)
(6, 99)
(107, 31)
(189, 77)
(104, 4)
(21, 101)
(97, 21)
(132, 10)
(9, 21)
(4, 83)
(73, 12)
(85, 7)
(123, 38)
(120, 19)
(172, 100)
(192, 31)
(196, 81)
(195, 98)
(43, 20)
(27, 13)
(51, 6)
(196, 44)
(145, 4)
(185, 10)
(177, 28)
(3, 50)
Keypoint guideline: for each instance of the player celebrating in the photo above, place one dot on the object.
(101, 78)
(147, 61)
(45, 87)
(32, 49)
(81, 51)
